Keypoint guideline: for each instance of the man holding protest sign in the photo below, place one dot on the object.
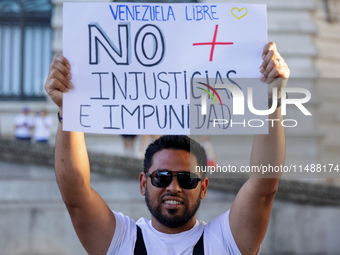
(173, 202)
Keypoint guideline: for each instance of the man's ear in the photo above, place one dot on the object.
(142, 183)
(205, 183)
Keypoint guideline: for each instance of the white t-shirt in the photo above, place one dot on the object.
(24, 123)
(217, 238)
(42, 128)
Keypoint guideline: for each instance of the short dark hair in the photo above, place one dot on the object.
(175, 142)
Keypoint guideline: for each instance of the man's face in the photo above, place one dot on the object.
(173, 206)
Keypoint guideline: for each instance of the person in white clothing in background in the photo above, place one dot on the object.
(24, 123)
(42, 125)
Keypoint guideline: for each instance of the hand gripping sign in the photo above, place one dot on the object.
(146, 68)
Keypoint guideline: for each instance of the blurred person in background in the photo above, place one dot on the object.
(143, 144)
(24, 124)
(129, 145)
(42, 125)
(209, 149)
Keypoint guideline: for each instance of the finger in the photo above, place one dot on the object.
(272, 56)
(281, 66)
(271, 65)
(279, 60)
(61, 64)
(58, 58)
(61, 67)
(61, 59)
(55, 73)
(55, 84)
(278, 56)
(274, 74)
(266, 60)
(275, 70)
(269, 46)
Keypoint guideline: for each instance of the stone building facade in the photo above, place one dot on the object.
(305, 216)
(307, 35)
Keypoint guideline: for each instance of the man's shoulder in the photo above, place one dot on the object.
(123, 219)
(224, 217)
(125, 232)
(126, 222)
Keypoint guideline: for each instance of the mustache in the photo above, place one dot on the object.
(170, 194)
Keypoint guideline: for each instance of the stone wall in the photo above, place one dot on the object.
(124, 167)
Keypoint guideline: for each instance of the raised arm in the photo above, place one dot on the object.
(250, 212)
(92, 219)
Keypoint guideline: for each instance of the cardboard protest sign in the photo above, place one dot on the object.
(135, 65)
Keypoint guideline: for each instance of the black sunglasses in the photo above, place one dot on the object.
(163, 178)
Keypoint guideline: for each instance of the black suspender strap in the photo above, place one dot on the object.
(199, 247)
(141, 250)
(140, 245)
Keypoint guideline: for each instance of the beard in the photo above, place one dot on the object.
(173, 220)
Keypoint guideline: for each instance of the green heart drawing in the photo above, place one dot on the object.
(239, 10)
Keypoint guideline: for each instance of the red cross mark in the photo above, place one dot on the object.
(213, 43)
